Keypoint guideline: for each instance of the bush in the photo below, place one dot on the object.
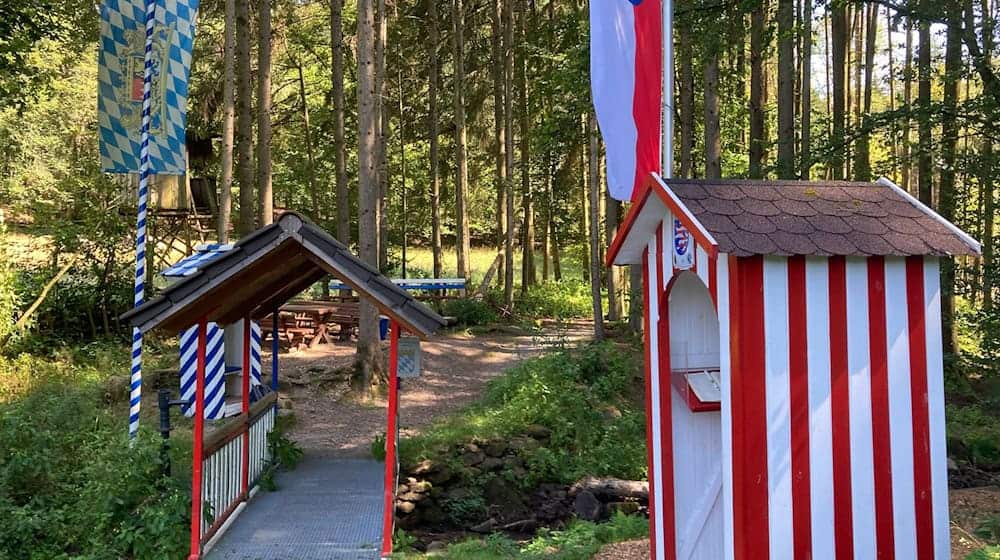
(988, 553)
(70, 484)
(471, 312)
(556, 300)
(572, 394)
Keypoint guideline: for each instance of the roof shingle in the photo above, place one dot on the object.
(816, 218)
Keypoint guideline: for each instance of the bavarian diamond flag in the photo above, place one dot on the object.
(119, 101)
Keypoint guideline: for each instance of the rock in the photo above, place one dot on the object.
(459, 493)
(473, 458)
(491, 464)
(538, 432)
(412, 497)
(504, 499)
(402, 489)
(433, 515)
(586, 506)
(435, 546)
(523, 444)
(496, 448)
(628, 508)
(420, 487)
(425, 467)
(405, 507)
(472, 448)
(443, 475)
(952, 465)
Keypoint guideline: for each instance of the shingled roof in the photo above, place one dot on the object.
(746, 218)
(266, 269)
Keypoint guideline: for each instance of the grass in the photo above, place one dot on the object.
(580, 540)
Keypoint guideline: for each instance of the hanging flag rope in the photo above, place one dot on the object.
(135, 392)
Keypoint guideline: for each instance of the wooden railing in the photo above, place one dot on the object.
(234, 458)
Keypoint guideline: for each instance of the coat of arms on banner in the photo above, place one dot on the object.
(683, 247)
(121, 62)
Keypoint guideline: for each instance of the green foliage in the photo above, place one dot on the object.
(560, 300)
(378, 447)
(989, 529)
(974, 434)
(284, 451)
(585, 397)
(580, 540)
(471, 312)
(70, 485)
(988, 553)
(9, 300)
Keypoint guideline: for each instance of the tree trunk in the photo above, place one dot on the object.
(949, 140)
(499, 132)
(713, 140)
(757, 140)
(805, 149)
(339, 142)
(838, 40)
(435, 195)
(635, 297)
(987, 167)
(924, 125)
(686, 102)
(612, 211)
(264, 115)
(862, 159)
(462, 177)
(595, 231)
(244, 112)
(311, 173)
(786, 89)
(382, 134)
(585, 211)
(228, 122)
(908, 104)
(894, 130)
(368, 371)
(508, 119)
(528, 277)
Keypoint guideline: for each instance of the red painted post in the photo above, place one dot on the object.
(246, 408)
(390, 442)
(199, 432)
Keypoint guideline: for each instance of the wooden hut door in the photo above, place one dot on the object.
(697, 436)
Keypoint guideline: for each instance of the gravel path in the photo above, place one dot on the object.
(455, 369)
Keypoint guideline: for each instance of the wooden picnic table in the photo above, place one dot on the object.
(310, 319)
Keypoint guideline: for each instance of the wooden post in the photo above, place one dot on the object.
(245, 472)
(199, 433)
(390, 442)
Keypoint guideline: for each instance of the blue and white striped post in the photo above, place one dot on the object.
(135, 395)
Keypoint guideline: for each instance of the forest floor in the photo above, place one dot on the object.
(455, 368)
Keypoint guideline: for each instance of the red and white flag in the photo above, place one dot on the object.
(626, 77)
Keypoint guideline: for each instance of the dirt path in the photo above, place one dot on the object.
(456, 367)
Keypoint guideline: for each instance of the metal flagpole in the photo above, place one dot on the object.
(135, 395)
(668, 89)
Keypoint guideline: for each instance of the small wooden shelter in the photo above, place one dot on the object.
(794, 368)
(248, 283)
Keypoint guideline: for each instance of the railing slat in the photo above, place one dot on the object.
(222, 463)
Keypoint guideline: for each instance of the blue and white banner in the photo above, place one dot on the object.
(120, 87)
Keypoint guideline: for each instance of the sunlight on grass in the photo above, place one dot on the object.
(420, 263)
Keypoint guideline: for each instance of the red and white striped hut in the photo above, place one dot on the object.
(793, 368)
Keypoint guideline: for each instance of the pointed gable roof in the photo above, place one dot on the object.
(266, 269)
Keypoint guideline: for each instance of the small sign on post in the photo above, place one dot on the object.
(408, 357)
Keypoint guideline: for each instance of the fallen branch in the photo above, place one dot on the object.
(23, 320)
